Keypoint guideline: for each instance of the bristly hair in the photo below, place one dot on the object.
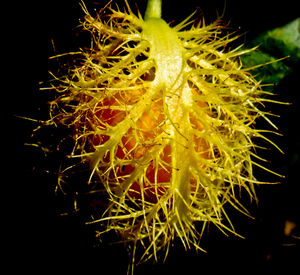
(164, 117)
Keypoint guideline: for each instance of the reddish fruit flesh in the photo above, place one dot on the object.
(148, 127)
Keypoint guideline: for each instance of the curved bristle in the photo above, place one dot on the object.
(165, 120)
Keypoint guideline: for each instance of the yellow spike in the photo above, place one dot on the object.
(164, 118)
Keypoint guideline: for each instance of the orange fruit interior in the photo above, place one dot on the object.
(148, 126)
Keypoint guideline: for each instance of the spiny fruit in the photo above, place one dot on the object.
(164, 116)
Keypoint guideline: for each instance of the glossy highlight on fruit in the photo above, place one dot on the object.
(164, 116)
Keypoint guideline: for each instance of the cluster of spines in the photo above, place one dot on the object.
(117, 67)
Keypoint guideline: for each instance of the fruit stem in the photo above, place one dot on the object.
(153, 9)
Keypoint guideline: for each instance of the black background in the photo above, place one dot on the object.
(40, 240)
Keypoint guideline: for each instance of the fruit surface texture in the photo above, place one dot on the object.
(164, 117)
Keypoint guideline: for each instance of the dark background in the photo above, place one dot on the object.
(40, 239)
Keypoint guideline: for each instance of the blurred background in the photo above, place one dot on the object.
(39, 231)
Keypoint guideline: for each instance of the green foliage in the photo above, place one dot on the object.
(282, 42)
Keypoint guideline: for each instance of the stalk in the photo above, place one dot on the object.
(153, 9)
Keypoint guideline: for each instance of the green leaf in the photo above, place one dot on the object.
(273, 45)
(271, 73)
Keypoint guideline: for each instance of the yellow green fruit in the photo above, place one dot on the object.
(165, 117)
